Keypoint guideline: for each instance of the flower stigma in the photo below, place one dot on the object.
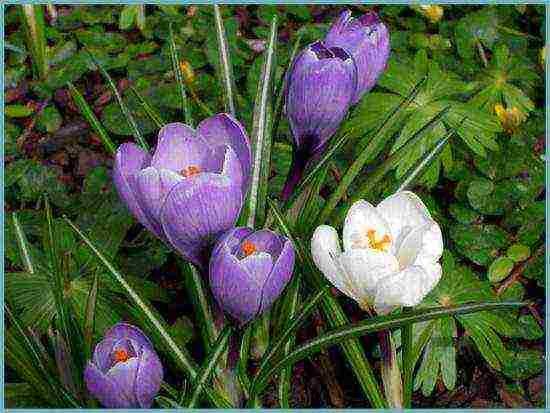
(190, 171)
(370, 240)
(121, 356)
(248, 248)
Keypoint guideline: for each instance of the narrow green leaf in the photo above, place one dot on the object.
(151, 112)
(365, 156)
(32, 19)
(23, 245)
(408, 362)
(179, 78)
(372, 325)
(181, 358)
(89, 318)
(242, 363)
(261, 136)
(208, 367)
(225, 67)
(127, 113)
(88, 113)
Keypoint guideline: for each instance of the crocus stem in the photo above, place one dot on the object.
(260, 336)
(391, 376)
(408, 366)
(294, 175)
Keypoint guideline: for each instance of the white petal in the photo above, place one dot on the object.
(362, 217)
(403, 211)
(365, 268)
(422, 246)
(325, 249)
(405, 288)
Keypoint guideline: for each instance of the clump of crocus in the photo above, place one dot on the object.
(366, 39)
(249, 270)
(192, 188)
(125, 371)
(391, 253)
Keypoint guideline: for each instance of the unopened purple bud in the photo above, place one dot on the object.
(367, 39)
(249, 270)
(125, 371)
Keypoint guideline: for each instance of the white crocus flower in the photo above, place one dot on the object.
(391, 252)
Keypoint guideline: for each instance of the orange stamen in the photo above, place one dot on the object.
(121, 356)
(248, 248)
(190, 171)
(382, 245)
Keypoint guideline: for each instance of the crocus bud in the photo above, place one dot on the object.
(391, 253)
(191, 189)
(249, 270)
(125, 371)
(321, 84)
(367, 40)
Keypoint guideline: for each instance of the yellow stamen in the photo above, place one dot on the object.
(190, 171)
(121, 356)
(382, 245)
(248, 248)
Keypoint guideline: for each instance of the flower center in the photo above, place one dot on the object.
(370, 240)
(121, 356)
(248, 248)
(190, 171)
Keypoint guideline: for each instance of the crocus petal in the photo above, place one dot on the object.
(197, 211)
(321, 84)
(325, 249)
(367, 40)
(104, 389)
(405, 288)
(361, 218)
(148, 378)
(171, 146)
(224, 129)
(364, 268)
(278, 278)
(152, 185)
(102, 353)
(231, 240)
(129, 160)
(403, 212)
(123, 376)
(422, 246)
(266, 241)
(127, 331)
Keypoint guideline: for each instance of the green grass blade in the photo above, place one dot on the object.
(89, 115)
(408, 362)
(89, 318)
(242, 363)
(335, 316)
(153, 114)
(23, 244)
(366, 155)
(210, 363)
(127, 113)
(261, 136)
(392, 161)
(32, 19)
(179, 78)
(372, 325)
(182, 360)
(225, 67)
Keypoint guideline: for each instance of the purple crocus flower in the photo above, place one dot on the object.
(249, 270)
(125, 371)
(320, 86)
(191, 189)
(367, 40)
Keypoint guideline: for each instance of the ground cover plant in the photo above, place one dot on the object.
(274, 206)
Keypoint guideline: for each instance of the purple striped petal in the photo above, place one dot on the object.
(121, 331)
(223, 129)
(264, 241)
(279, 277)
(123, 376)
(104, 389)
(129, 160)
(367, 40)
(149, 378)
(171, 146)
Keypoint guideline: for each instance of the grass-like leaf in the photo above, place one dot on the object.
(149, 110)
(373, 325)
(225, 67)
(179, 78)
(23, 244)
(32, 19)
(180, 357)
(89, 318)
(366, 155)
(242, 363)
(89, 115)
(210, 363)
(261, 136)
(125, 110)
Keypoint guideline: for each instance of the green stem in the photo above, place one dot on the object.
(408, 361)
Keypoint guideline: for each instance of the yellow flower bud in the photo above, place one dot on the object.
(432, 12)
(510, 118)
